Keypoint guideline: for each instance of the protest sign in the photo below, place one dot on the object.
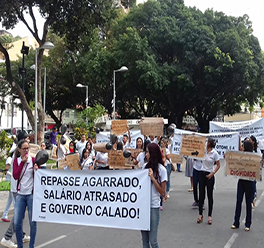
(33, 149)
(104, 137)
(176, 159)
(243, 165)
(103, 198)
(245, 128)
(225, 141)
(193, 146)
(62, 164)
(134, 154)
(118, 127)
(152, 126)
(116, 160)
(73, 161)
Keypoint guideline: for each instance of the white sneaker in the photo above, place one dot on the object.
(26, 239)
(7, 243)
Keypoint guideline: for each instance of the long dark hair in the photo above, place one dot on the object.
(146, 143)
(84, 151)
(89, 142)
(248, 146)
(255, 145)
(74, 146)
(137, 140)
(155, 159)
(211, 142)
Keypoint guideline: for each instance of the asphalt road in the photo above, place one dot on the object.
(178, 227)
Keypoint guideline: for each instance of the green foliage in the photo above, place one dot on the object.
(85, 122)
(5, 144)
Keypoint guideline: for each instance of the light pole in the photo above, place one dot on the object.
(86, 100)
(22, 72)
(123, 68)
(33, 67)
(84, 86)
(46, 45)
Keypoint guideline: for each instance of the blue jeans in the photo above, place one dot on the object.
(10, 199)
(195, 185)
(151, 237)
(178, 167)
(247, 187)
(23, 201)
(168, 167)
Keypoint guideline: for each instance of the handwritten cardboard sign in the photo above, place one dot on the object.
(73, 161)
(134, 154)
(62, 164)
(176, 159)
(243, 165)
(152, 126)
(193, 146)
(119, 127)
(33, 149)
(116, 158)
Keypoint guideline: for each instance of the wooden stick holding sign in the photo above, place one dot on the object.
(119, 127)
(193, 146)
(152, 126)
(243, 165)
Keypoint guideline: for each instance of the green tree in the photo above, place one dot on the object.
(73, 20)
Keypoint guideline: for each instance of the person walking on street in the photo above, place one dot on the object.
(207, 179)
(23, 171)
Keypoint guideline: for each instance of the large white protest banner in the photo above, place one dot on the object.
(245, 128)
(103, 137)
(105, 198)
(224, 141)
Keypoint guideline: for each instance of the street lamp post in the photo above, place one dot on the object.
(84, 86)
(123, 68)
(86, 100)
(22, 72)
(46, 45)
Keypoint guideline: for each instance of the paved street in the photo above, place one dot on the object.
(178, 227)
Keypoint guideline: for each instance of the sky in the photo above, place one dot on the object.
(253, 8)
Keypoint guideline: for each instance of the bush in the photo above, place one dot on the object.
(5, 144)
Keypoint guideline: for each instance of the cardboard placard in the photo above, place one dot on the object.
(152, 126)
(193, 146)
(73, 161)
(116, 158)
(119, 127)
(62, 163)
(134, 154)
(176, 159)
(243, 165)
(33, 149)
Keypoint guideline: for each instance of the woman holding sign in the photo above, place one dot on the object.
(247, 187)
(158, 176)
(206, 179)
(23, 172)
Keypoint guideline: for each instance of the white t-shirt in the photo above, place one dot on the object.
(61, 152)
(8, 173)
(155, 195)
(210, 159)
(197, 164)
(27, 181)
(86, 163)
(80, 146)
(141, 158)
(101, 157)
